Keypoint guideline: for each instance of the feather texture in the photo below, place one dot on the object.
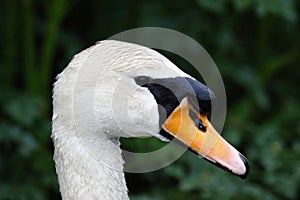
(96, 101)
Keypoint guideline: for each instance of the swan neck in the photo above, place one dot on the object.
(85, 174)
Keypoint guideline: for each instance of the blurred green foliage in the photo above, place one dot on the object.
(255, 44)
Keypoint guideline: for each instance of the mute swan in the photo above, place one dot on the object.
(160, 97)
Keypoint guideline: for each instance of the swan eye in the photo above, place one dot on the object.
(198, 123)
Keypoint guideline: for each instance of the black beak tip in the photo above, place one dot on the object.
(243, 176)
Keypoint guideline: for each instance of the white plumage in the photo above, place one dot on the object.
(88, 162)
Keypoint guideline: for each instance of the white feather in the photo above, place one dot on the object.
(87, 154)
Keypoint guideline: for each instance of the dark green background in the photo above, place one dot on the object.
(255, 44)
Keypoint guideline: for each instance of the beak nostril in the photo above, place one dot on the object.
(198, 123)
(201, 127)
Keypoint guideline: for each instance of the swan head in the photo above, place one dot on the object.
(134, 91)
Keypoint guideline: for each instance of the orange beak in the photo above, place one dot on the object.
(205, 142)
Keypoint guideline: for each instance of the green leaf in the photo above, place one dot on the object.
(281, 8)
(24, 109)
(243, 5)
(213, 6)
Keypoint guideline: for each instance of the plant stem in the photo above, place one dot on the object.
(11, 45)
(55, 15)
(29, 50)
